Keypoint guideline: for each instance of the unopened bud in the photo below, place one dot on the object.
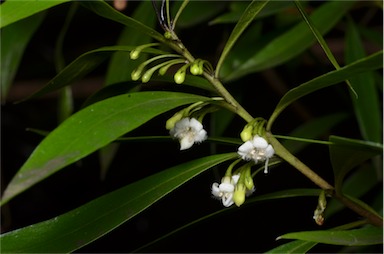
(170, 124)
(135, 75)
(246, 134)
(239, 194)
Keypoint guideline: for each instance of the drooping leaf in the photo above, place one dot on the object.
(291, 193)
(14, 39)
(237, 7)
(205, 9)
(102, 9)
(366, 105)
(347, 153)
(13, 11)
(249, 14)
(297, 246)
(90, 129)
(321, 41)
(369, 63)
(79, 227)
(311, 130)
(120, 65)
(293, 42)
(368, 235)
(356, 185)
(84, 64)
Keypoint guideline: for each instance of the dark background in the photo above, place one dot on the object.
(251, 228)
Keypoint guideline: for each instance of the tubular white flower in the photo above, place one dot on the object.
(258, 150)
(188, 131)
(225, 189)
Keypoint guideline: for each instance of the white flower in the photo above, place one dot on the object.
(225, 189)
(258, 150)
(188, 131)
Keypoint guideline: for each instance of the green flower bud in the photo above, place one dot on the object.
(195, 68)
(173, 120)
(179, 77)
(136, 74)
(239, 194)
(248, 180)
(134, 54)
(246, 134)
(146, 76)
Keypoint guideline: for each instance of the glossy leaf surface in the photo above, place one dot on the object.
(369, 63)
(298, 246)
(348, 153)
(82, 65)
(14, 39)
(366, 104)
(249, 14)
(120, 65)
(354, 237)
(293, 42)
(13, 11)
(90, 129)
(70, 231)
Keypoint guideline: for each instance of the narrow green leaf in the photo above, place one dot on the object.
(369, 63)
(65, 100)
(120, 65)
(271, 196)
(356, 185)
(311, 130)
(297, 246)
(366, 105)
(347, 153)
(79, 227)
(249, 14)
(321, 40)
(14, 39)
(294, 41)
(82, 65)
(103, 9)
(355, 237)
(237, 7)
(13, 10)
(205, 9)
(90, 129)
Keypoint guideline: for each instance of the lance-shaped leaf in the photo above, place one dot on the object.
(79, 227)
(14, 39)
(249, 14)
(297, 246)
(369, 63)
(13, 11)
(348, 153)
(84, 64)
(120, 65)
(355, 237)
(90, 129)
(293, 42)
(366, 104)
(105, 10)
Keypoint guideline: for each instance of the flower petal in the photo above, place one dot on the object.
(259, 142)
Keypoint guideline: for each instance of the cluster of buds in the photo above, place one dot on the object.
(255, 147)
(196, 67)
(234, 187)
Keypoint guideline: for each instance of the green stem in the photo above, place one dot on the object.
(228, 97)
(281, 151)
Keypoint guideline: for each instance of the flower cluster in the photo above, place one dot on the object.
(231, 191)
(258, 150)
